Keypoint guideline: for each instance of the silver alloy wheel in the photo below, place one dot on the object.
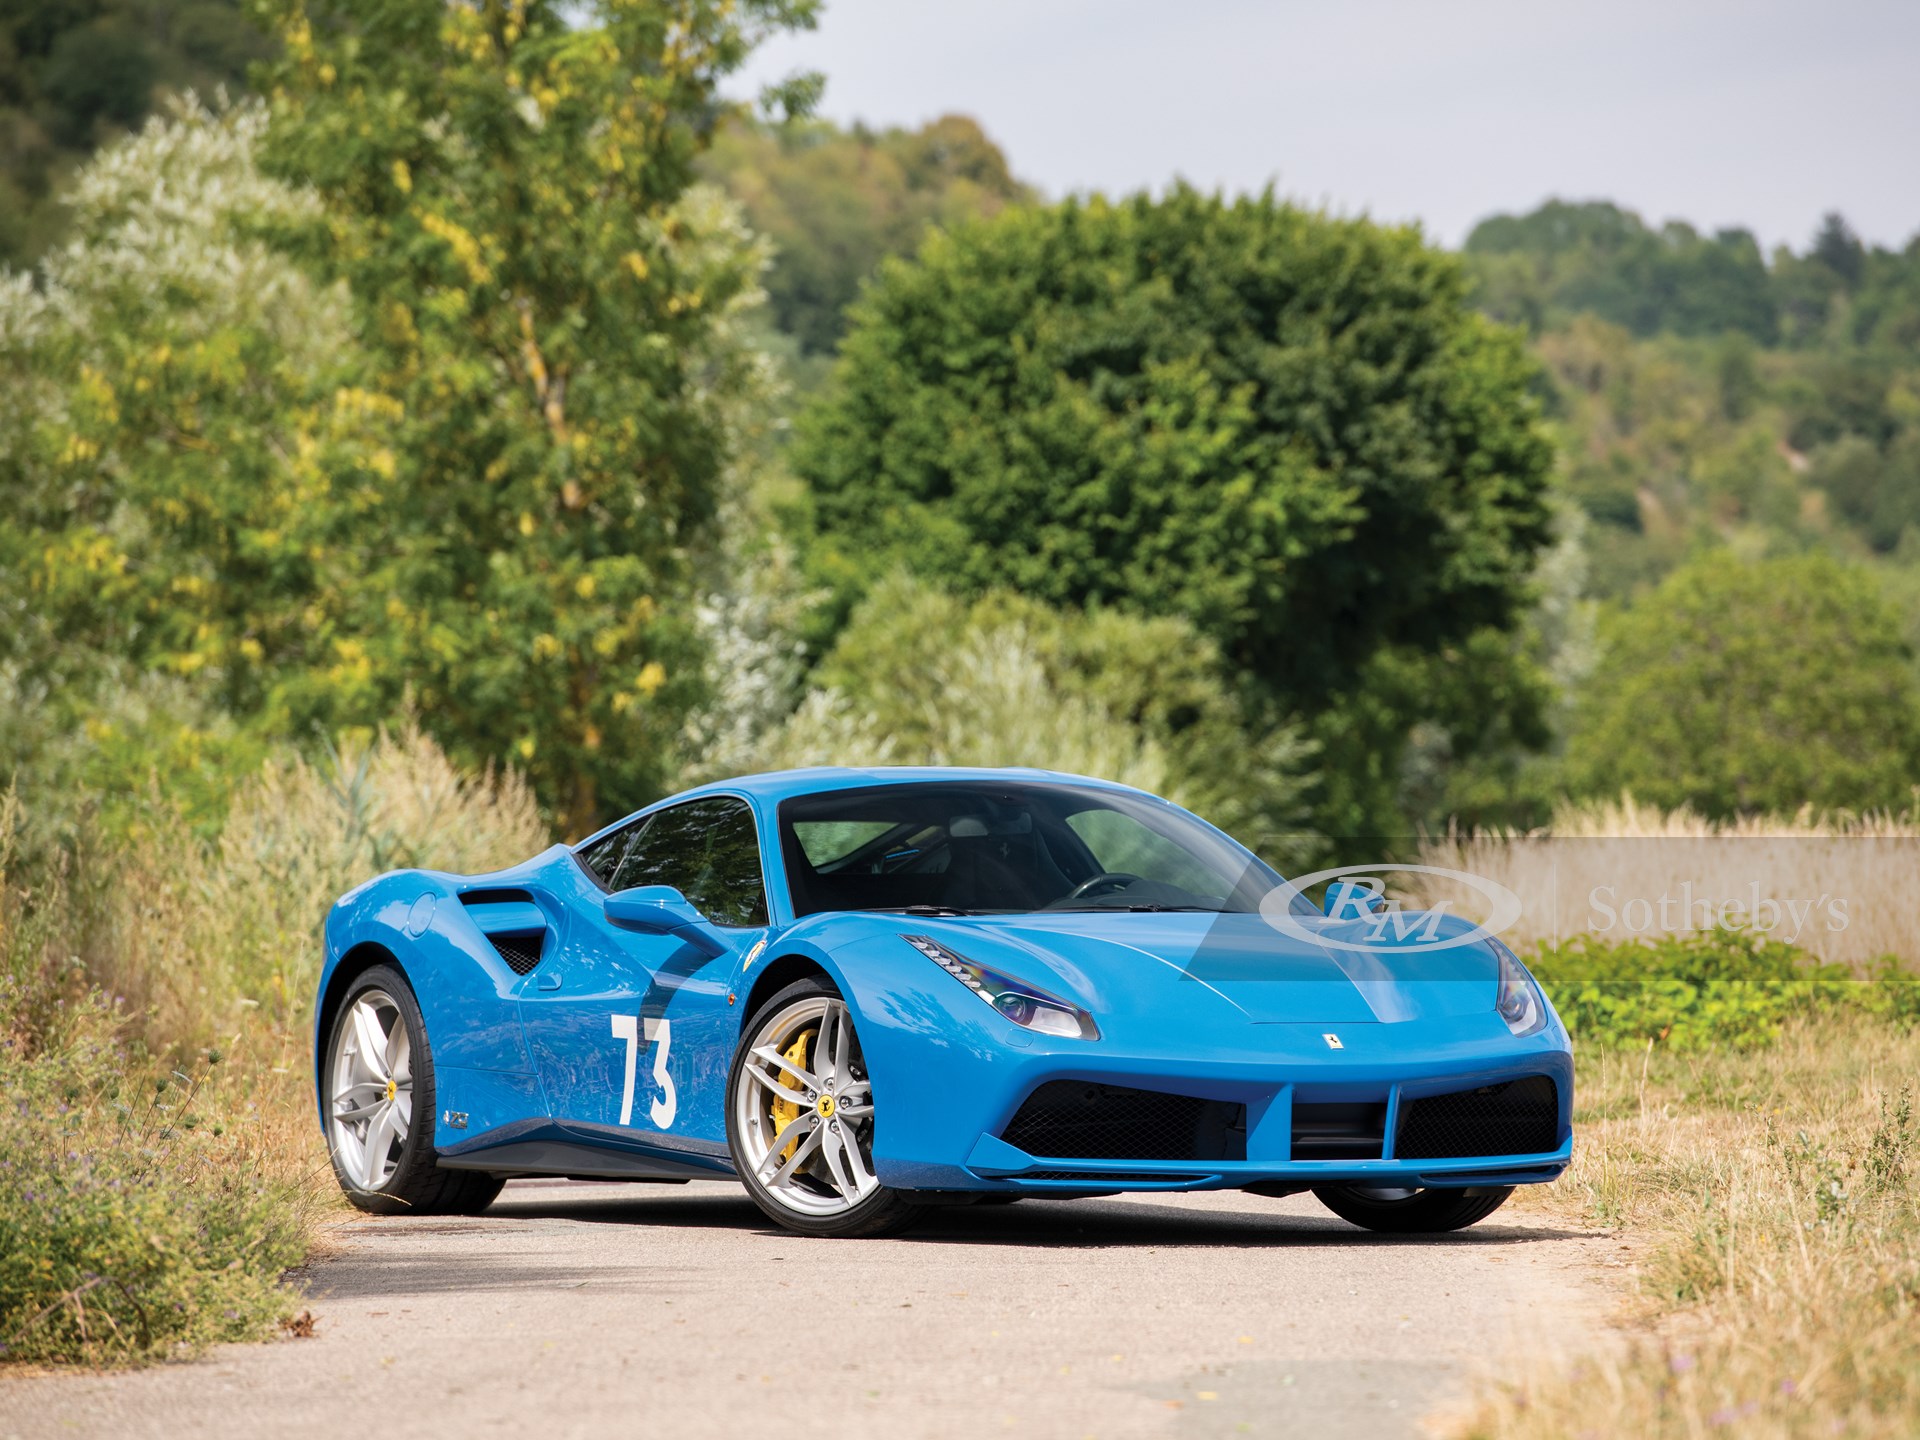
(805, 1120)
(372, 1081)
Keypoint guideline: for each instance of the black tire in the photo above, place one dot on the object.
(417, 1186)
(1424, 1212)
(884, 1212)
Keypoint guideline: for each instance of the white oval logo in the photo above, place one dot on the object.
(1403, 932)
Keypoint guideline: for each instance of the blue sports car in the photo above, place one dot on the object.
(863, 993)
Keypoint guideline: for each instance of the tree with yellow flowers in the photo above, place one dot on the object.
(548, 305)
(184, 462)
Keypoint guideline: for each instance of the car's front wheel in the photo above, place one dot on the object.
(380, 1106)
(1412, 1211)
(800, 1118)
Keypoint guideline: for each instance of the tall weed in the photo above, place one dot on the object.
(216, 940)
(1841, 886)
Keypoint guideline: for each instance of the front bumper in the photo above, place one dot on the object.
(996, 1165)
(944, 1132)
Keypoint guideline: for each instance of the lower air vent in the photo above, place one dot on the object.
(1339, 1131)
(1080, 1120)
(521, 952)
(1520, 1117)
(1110, 1177)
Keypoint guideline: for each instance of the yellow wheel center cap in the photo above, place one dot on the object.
(393, 1089)
(825, 1107)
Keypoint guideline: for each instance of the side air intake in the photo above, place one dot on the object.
(521, 952)
(513, 923)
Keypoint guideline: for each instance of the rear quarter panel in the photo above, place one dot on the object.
(466, 993)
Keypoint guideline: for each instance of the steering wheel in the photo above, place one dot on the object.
(1117, 879)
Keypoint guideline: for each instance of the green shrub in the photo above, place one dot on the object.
(919, 676)
(137, 1218)
(1726, 988)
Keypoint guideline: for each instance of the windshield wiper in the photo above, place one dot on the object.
(1137, 907)
(932, 910)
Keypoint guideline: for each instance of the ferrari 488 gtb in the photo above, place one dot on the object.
(867, 992)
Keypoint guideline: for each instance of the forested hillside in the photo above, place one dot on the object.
(1708, 393)
(74, 73)
(836, 202)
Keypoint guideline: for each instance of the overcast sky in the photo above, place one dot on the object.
(1762, 113)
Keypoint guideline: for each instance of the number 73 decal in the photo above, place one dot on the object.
(659, 1034)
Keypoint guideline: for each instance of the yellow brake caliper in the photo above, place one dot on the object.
(784, 1112)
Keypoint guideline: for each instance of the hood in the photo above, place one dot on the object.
(1316, 970)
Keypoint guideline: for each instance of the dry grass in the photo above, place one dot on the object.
(1845, 888)
(1768, 1195)
(1770, 1198)
(222, 942)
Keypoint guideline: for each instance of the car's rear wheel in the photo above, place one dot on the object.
(1411, 1211)
(380, 1106)
(800, 1118)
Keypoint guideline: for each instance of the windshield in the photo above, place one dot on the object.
(968, 848)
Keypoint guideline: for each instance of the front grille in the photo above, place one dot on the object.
(1111, 1177)
(1079, 1119)
(1339, 1131)
(1519, 1117)
(521, 952)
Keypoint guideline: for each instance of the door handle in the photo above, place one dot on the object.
(546, 980)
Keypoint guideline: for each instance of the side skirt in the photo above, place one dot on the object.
(558, 1157)
(541, 1147)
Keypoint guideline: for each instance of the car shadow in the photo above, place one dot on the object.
(1056, 1224)
(432, 1272)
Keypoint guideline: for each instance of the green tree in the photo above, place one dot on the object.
(834, 202)
(550, 308)
(1286, 429)
(1740, 688)
(1878, 491)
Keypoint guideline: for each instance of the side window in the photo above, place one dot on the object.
(707, 849)
(603, 857)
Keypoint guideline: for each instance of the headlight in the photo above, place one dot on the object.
(1519, 1000)
(1014, 999)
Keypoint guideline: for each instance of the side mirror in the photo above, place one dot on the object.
(663, 910)
(1351, 900)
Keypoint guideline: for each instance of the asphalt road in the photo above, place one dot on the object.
(596, 1310)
